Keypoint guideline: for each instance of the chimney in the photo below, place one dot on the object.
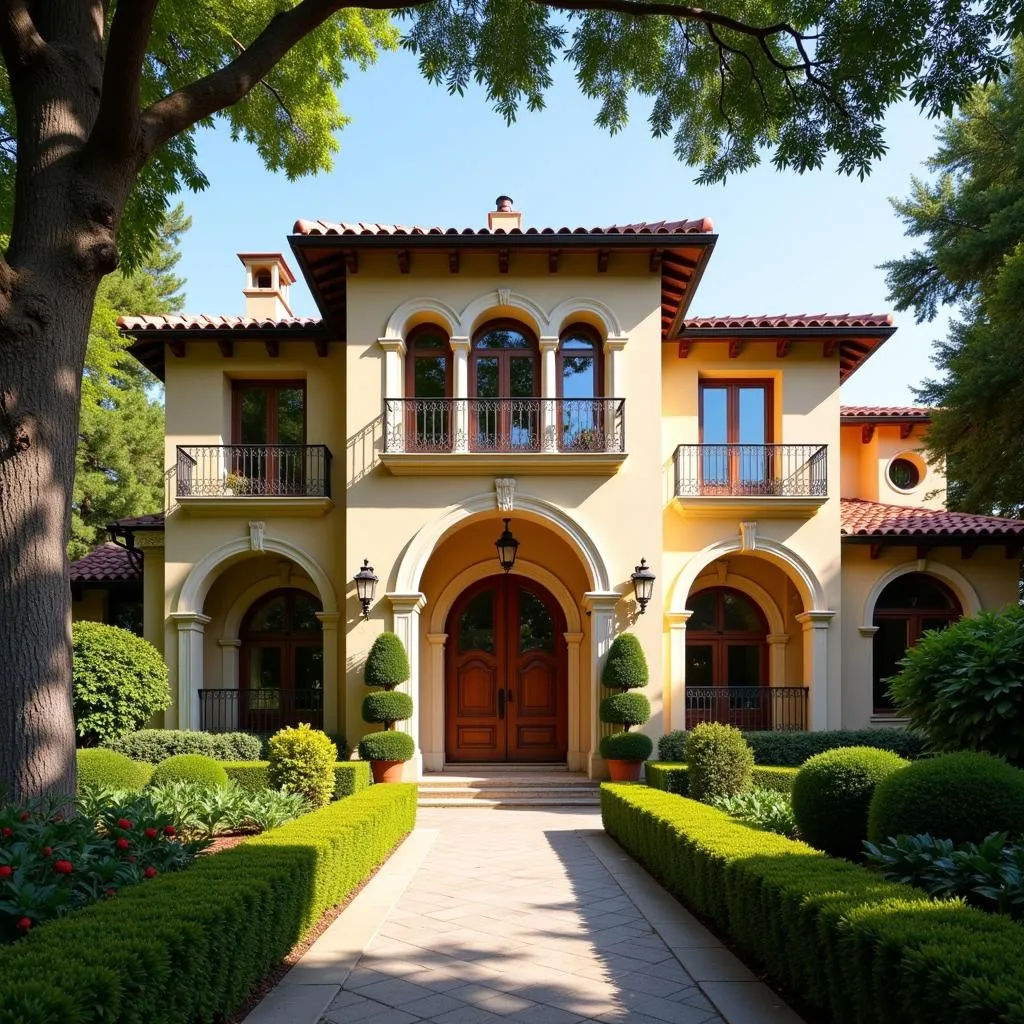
(267, 280)
(503, 217)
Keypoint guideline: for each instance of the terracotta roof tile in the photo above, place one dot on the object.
(150, 522)
(660, 227)
(873, 519)
(109, 563)
(202, 322)
(887, 412)
(794, 320)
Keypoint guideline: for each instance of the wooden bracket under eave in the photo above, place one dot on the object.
(503, 261)
(655, 263)
(922, 551)
(967, 551)
(829, 347)
(404, 261)
(874, 551)
(602, 261)
(453, 261)
(273, 347)
(684, 348)
(352, 261)
(735, 348)
(782, 347)
(227, 347)
(905, 430)
(553, 255)
(867, 432)
(321, 347)
(177, 347)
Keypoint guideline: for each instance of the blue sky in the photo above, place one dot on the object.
(788, 243)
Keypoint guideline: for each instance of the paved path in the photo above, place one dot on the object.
(530, 916)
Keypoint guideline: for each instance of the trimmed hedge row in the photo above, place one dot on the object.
(673, 778)
(190, 946)
(349, 776)
(863, 950)
(156, 745)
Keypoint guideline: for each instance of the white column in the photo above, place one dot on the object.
(577, 753)
(433, 752)
(460, 391)
(394, 387)
(229, 678)
(601, 605)
(677, 668)
(191, 628)
(331, 682)
(405, 610)
(815, 626)
(777, 658)
(549, 393)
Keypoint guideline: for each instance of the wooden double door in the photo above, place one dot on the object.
(506, 695)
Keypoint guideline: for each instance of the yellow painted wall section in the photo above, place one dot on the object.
(90, 607)
(865, 469)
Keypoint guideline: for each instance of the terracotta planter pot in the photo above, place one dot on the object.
(623, 771)
(387, 771)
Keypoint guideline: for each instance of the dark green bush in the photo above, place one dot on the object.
(119, 680)
(963, 797)
(155, 745)
(349, 776)
(673, 778)
(671, 746)
(963, 687)
(387, 706)
(387, 664)
(858, 949)
(720, 761)
(191, 946)
(625, 709)
(626, 746)
(832, 793)
(387, 745)
(302, 761)
(625, 668)
(111, 770)
(189, 768)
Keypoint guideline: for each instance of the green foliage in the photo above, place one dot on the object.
(387, 664)
(626, 746)
(720, 761)
(302, 761)
(193, 936)
(963, 797)
(119, 679)
(626, 666)
(625, 709)
(963, 687)
(858, 949)
(387, 706)
(386, 746)
(832, 793)
(109, 769)
(349, 776)
(671, 746)
(674, 778)
(765, 809)
(189, 768)
(155, 745)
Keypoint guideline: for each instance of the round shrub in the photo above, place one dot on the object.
(625, 667)
(720, 761)
(387, 664)
(119, 681)
(963, 797)
(387, 706)
(190, 768)
(626, 746)
(671, 746)
(156, 745)
(302, 761)
(107, 768)
(625, 709)
(387, 746)
(831, 795)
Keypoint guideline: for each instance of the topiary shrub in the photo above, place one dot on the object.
(387, 664)
(190, 768)
(980, 704)
(625, 668)
(626, 746)
(387, 746)
(671, 746)
(155, 745)
(720, 761)
(388, 707)
(302, 761)
(963, 797)
(626, 709)
(119, 681)
(107, 768)
(831, 795)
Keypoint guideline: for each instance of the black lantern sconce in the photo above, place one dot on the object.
(643, 584)
(366, 586)
(507, 547)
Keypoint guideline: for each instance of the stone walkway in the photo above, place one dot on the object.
(530, 916)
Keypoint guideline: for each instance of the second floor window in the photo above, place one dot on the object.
(735, 430)
(268, 435)
(582, 410)
(504, 380)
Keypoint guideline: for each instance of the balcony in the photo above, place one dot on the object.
(775, 480)
(758, 708)
(264, 710)
(536, 435)
(229, 479)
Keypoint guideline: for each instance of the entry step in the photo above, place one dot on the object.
(504, 789)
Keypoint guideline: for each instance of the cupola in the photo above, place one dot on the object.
(267, 281)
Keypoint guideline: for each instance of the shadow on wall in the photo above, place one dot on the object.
(362, 450)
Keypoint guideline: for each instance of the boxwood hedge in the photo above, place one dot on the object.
(857, 948)
(190, 946)
(349, 776)
(674, 778)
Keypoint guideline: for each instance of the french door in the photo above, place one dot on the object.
(505, 408)
(736, 437)
(269, 436)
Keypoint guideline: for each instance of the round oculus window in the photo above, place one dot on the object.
(904, 474)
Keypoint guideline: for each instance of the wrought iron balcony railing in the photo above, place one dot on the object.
(254, 470)
(504, 425)
(751, 470)
(263, 710)
(748, 707)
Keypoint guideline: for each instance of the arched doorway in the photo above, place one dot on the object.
(727, 660)
(506, 698)
(281, 662)
(908, 606)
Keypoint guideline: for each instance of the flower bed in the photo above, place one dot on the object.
(859, 948)
(349, 776)
(190, 946)
(672, 777)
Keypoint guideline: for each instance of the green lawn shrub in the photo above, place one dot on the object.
(673, 778)
(189, 768)
(832, 793)
(119, 682)
(625, 746)
(963, 797)
(625, 669)
(302, 761)
(626, 709)
(387, 706)
(156, 745)
(858, 949)
(111, 770)
(765, 809)
(387, 745)
(720, 761)
(191, 946)
(349, 776)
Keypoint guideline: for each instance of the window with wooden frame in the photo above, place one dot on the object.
(268, 432)
(736, 436)
(580, 389)
(504, 381)
(428, 389)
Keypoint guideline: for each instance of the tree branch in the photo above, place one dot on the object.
(20, 41)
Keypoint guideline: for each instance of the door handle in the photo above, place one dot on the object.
(501, 703)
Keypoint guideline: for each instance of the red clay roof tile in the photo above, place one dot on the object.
(873, 519)
(202, 322)
(109, 563)
(155, 521)
(794, 320)
(888, 412)
(660, 227)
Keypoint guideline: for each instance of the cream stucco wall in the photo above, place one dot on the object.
(865, 466)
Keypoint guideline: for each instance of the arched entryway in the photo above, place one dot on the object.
(506, 694)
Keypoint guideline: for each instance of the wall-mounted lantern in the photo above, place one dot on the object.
(366, 586)
(643, 584)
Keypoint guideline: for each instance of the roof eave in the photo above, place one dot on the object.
(935, 539)
(774, 332)
(501, 240)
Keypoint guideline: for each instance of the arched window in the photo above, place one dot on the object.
(908, 606)
(428, 389)
(582, 412)
(504, 381)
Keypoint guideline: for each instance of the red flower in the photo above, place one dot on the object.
(169, 830)
(24, 816)
(6, 871)
(122, 843)
(132, 859)
(123, 823)
(151, 833)
(8, 832)
(47, 850)
(150, 872)
(63, 867)
(109, 892)
(25, 923)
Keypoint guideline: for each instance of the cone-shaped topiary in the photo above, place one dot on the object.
(625, 669)
(625, 709)
(387, 664)
(387, 706)
(626, 666)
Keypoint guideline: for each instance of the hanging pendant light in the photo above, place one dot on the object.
(507, 547)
